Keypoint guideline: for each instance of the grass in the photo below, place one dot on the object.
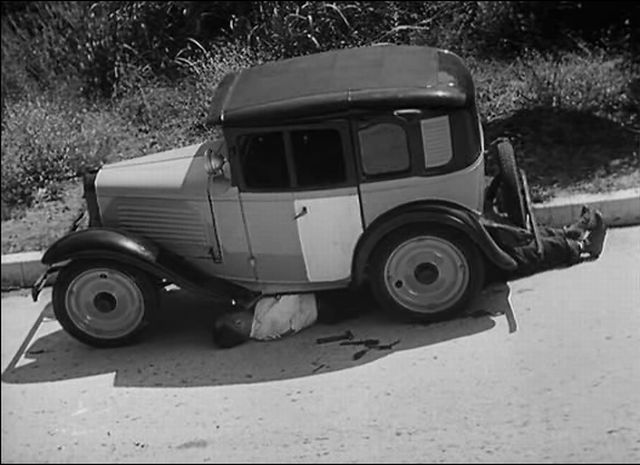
(39, 226)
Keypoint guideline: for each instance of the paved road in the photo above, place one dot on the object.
(563, 387)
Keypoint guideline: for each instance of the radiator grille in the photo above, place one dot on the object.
(174, 225)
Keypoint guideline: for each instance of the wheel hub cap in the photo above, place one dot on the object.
(105, 303)
(426, 274)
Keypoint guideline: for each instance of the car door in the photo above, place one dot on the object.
(268, 209)
(326, 201)
(300, 205)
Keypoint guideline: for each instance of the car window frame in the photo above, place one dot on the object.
(412, 132)
(457, 133)
(242, 178)
(341, 125)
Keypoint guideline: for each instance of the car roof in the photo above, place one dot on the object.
(368, 78)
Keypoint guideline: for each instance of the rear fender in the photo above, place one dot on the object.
(434, 212)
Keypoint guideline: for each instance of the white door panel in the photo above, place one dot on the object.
(328, 231)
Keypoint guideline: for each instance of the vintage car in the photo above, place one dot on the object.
(331, 170)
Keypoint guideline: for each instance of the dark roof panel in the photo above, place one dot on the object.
(339, 80)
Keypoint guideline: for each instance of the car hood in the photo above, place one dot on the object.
(178, 173)
(169, 155)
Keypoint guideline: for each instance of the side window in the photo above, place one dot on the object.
(383, 148)
(436, 141)
(264, 161)
(318, 157)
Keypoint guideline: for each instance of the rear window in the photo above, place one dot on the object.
(452, 138)
(383, 148)
(436, 141)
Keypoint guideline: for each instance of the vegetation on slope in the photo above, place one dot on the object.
(89, 82)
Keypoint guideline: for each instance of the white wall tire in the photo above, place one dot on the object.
(426, 272)
(103, 303)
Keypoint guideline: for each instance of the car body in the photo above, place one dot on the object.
(328, 170)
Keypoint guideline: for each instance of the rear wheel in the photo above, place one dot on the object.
(426, 272)
(103, 303)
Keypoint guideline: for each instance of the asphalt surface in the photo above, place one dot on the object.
(564, 386)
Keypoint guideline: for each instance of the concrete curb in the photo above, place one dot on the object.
(21, 270)
(620, 208)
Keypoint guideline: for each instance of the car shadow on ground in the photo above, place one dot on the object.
(178, 351)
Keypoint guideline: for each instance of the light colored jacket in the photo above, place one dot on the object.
(278, 316)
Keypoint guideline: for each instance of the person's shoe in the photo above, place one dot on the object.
(586, 222)
(594, 242)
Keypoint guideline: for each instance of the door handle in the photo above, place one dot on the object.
(302, 212)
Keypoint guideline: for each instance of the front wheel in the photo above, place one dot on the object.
(103, 303)
(426, 272)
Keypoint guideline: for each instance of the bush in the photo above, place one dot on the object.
(92, 45)
(591, 81)
(47, 140)
(165, 115)
(218, 60)
(45, 143)
(43, 47)
(487, 28)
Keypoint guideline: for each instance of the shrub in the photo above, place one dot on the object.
(48, 140)
(165, 115)
(216, 61)
(43, 46)
(92, 44)
(591, 81)
(45, 143)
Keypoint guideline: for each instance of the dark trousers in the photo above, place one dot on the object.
(558, 252)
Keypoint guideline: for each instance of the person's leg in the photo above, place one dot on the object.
(594, 241)
(588, 220)
(547, 231)
(558, 252)
(576, 230)
(560, 249)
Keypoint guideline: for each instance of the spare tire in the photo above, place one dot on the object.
(510, 195)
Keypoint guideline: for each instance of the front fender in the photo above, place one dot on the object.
(81, 243)
(434, 212)
(125, 247)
